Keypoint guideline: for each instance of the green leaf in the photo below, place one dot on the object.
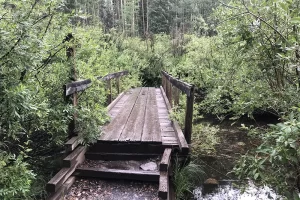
(295, 20)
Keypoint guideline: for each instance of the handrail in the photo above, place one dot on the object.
(168, 82)
(81, 85)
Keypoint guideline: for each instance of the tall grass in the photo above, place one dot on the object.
(186, 177)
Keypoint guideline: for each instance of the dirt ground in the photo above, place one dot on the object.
(95, 189)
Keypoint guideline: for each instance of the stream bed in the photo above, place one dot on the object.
(227, 191)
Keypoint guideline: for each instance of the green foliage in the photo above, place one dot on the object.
(15, 177)
(185, 178)
(204, 139)
(276, 160)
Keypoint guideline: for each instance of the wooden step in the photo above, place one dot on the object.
(139, 175)
(165, 160)
(119, 156)
(163, 191)
(126, 147)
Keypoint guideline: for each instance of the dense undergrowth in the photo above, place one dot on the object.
(249, 67)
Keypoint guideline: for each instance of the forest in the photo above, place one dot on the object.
(243, 57)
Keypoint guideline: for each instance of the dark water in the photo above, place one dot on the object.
(228, 192)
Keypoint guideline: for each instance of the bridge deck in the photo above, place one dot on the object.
(140, 115)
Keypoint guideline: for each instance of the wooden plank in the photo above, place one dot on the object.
(77, 86)
(165, 160)
(118, 174)
(168, 134)
(180, 138)
(71, 144)
(165, 98)
(183, 86)
(112, 75)
(163, 189)
(63, 190)
(183, 145)
(120, 156)
(113, 130)
(112, 104)
(126, 147)
(60, 178)
(134, 127)
(74, 157)
(151, 129)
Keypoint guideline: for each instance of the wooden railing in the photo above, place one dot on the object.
(71, 92)
(172, 87)
(108, 78)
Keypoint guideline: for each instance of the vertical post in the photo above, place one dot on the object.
(170, 94)
(109, 98)
(189, 115)
(73, 76)
(118, 85)
(176, 96)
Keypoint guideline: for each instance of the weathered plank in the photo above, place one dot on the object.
(112, 104)
(71, 144)
(60, 178)
(114, 129)
(165, 98)
(163, 189)
(151, 129)
(183, 86)
(63, 190)
(120, 156)
(180, 138)
(77, 86)
(134, 127)
(112, 75)
(74, 157)
(183, 145)
(165, 160)
(118, 174)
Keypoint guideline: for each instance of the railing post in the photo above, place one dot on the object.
(71, 58)
(109, 97)
(176, 96)
(118, 84)
(189, 115)
(170, 94)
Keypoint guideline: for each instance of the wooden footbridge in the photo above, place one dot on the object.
(140, 130)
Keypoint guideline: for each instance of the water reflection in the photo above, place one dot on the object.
(228, 192)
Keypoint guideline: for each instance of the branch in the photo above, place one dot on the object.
(258, 17)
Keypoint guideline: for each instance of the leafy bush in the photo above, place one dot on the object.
(276, 160)
(204, 139)
(15, 177)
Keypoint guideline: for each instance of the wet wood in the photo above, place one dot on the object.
(113, 130)
(73, 158)
(134, 127)
(61, 177)
(180, 138)
(71, 144)
(112, 104)
(112, 75)
(165, 160)
(118, 174)
(151, 129)
(189, 116)
(163, 185)
(184, 87)
(120, 156)
(77, 86)
(63, 190)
